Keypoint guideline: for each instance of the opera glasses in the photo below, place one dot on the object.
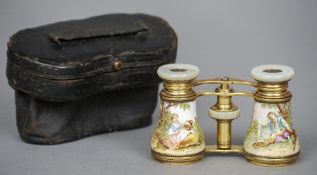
(270, 139)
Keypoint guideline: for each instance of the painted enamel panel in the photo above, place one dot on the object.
(271, 133)
(178, 132)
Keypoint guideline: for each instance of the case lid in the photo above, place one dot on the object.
(73, 59)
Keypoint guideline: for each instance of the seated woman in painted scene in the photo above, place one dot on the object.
(175, 125)
(178, 136)
(275, 130)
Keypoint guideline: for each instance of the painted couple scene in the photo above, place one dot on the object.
(180, 135)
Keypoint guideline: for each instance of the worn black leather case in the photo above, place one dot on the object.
(84, 77)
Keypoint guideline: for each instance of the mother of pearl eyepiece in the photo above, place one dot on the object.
(272, 73)
(178, 72)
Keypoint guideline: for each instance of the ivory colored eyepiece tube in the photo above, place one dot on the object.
(271, 139)
(178, 139)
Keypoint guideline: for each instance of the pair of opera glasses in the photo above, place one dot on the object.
(270, 139)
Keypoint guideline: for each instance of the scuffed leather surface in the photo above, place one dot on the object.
(81, 67)
(41, 122)
(65, 83)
